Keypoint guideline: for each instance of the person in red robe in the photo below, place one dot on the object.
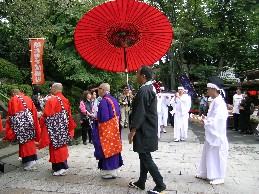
(27, 150)
(58, 155)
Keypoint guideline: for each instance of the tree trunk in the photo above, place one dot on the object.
(221, 64)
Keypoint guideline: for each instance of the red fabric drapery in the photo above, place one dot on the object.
(36, 61)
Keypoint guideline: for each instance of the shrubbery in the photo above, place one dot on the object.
(10, 72)
(6, 88)
(12, 78)
(74, 96)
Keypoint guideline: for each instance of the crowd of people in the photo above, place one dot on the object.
(240, 110)
(49, 121)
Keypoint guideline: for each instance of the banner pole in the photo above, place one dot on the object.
(34, 38)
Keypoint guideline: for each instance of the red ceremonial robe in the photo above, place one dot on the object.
(52, 107)
(14, 106)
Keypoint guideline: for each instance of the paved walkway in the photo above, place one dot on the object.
(178, 162)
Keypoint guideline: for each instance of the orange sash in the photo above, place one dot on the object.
(109, 133)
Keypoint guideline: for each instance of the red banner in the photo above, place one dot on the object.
(36, 61)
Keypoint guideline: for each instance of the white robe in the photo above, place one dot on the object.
(236, 101)
(186, 119)
(164, 110)
(159, 113)
(181, 109)
(215, 150)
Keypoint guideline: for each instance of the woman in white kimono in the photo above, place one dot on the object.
(215, 150)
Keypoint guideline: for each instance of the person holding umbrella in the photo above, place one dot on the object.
(143, 134)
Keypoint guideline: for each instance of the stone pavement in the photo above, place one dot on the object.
(178, 163)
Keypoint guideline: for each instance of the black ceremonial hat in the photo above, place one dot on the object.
(217, 81)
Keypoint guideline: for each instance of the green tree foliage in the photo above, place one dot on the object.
(211, 33)
(9, 72)
(208, 33)
(55, 21)
(5, 90)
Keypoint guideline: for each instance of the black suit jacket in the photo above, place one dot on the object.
(144, 119)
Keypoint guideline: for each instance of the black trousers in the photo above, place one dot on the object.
(244, 122)
(170, 116)
(86, 129)
(58, 166)
(147, 165)
(235, 120)
(29, 158)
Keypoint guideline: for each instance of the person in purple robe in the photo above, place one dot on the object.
(108, 165)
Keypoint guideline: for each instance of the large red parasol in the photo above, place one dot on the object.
(122, 35)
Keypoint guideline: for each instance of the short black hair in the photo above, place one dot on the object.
(37, 89)
(147, 71)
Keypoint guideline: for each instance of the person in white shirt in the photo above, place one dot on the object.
(163, 101)
(188, 108)
(159, 114)
(215, 150)
(164, 111)
(236, 101)
(181, 107)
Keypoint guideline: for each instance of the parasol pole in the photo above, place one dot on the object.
(126, 67)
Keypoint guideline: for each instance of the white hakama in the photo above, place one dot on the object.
(164, 106)
(181, 115)
(215, 150)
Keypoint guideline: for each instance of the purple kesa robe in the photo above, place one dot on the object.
(104, 114)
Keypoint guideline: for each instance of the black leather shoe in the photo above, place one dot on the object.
(136, 185)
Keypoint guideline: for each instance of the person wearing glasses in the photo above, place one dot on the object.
(106, 134)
